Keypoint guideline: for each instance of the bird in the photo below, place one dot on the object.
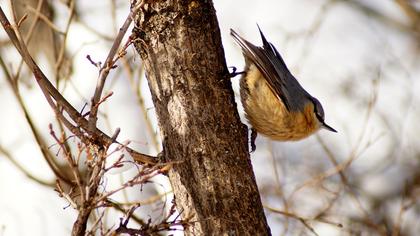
(275, 104)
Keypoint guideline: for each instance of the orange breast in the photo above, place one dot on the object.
(268, 115)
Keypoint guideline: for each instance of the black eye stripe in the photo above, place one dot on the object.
(318, 110)
(319, 117)
(317, 113)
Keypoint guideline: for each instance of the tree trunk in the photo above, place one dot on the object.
(212, 178)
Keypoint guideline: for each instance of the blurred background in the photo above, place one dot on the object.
(360, 58)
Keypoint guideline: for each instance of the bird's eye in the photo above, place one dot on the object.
(319, 111)
(320, 117)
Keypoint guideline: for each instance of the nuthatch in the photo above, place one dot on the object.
(275, 104)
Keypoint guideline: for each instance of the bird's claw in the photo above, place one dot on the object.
(234, 73)
(253, 138)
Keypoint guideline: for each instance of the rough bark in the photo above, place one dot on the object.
(213, 181)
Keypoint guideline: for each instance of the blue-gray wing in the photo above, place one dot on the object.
(271, 65)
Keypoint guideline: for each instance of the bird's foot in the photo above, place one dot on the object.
(253, 138)
(234, 73)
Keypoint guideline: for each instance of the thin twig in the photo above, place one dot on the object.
(9, 156)
(49, 158)
(104, 71)
(44, 18)
(49, 90)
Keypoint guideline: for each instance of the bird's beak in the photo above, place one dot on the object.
(327, 127)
